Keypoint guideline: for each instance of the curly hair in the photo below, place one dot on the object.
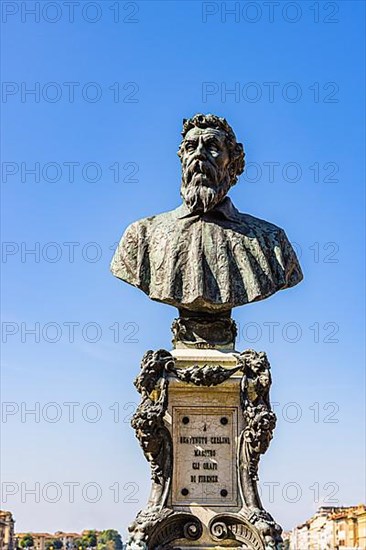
(236, 150)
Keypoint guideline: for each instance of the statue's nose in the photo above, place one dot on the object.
(200, 152)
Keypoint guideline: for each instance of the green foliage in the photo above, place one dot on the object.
(56, 544)
(27, 541)
(79, 543)
(109, 539)
(90, 539)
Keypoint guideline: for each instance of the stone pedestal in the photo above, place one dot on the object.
(203, 421)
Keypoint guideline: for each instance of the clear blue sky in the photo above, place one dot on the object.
(171, 60)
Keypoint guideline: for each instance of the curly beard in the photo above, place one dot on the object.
(203, 186)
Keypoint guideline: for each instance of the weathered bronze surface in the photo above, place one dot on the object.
(206, 256)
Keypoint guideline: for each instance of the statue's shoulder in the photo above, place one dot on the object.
(131, 251)
(152, 222)
(259, 226)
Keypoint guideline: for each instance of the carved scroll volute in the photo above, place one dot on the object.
(228, 526)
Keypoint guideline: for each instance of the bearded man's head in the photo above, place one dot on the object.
(211, 160)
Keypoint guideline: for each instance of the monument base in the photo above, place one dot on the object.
(203, 421)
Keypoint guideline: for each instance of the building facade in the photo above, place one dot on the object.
(42, 541)
(332, 528)
(349, 528)
(7, 541)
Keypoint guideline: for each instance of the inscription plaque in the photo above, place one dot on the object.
(205, 456)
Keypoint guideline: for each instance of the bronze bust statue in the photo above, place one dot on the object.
(206, 257)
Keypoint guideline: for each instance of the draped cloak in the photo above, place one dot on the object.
(210, 262)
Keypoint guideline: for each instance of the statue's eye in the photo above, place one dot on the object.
(190, 147)
(212, 146)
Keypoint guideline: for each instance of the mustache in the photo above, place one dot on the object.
(197, 166)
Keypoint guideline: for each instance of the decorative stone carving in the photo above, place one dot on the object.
(148, 422)
(204, 332)
(155, 529)
(267, 528)
(158, 526)
(208, 375)
(141, 528)
(177, 526)
(233, 527)
(260, 422)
